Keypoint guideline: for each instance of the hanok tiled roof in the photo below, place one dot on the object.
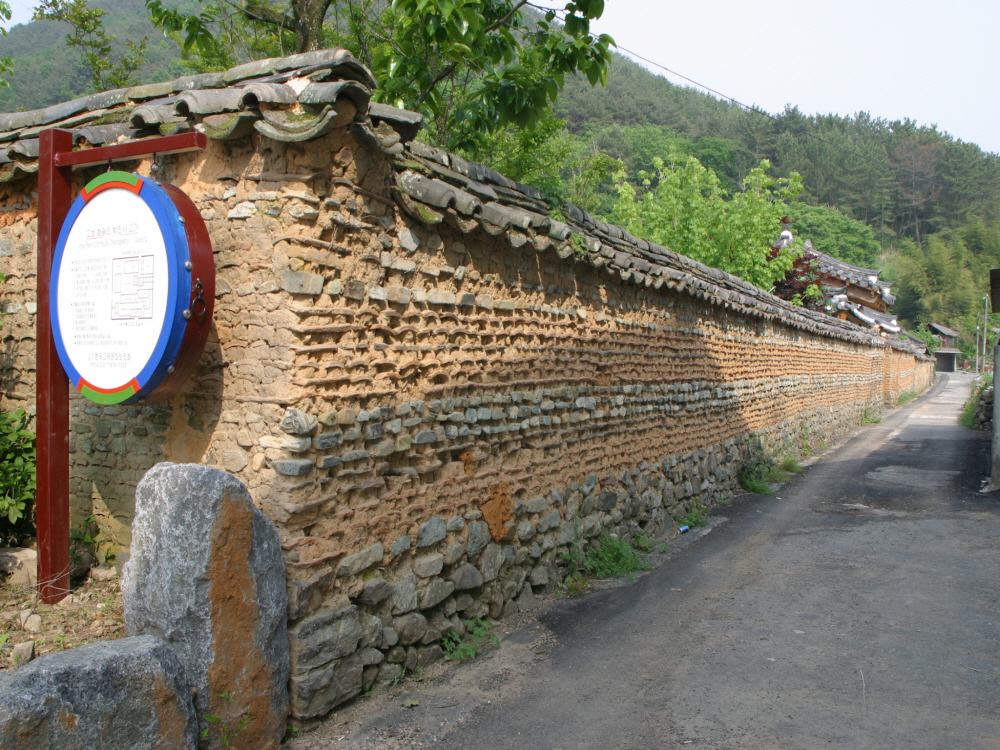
(866, 278)
(865, 316)
(294, 98)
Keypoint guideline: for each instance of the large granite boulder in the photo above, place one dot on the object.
(131, 693)
(206, 574)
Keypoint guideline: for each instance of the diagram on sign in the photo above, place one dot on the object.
(132, 288)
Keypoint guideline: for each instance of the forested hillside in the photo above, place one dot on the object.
(905, 197)
(910, 199)
(47, 71)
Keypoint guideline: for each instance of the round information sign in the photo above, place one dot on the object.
(132, 290)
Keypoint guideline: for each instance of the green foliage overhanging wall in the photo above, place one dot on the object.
(685, 208)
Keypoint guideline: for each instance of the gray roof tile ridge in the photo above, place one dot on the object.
(635, 254)
(301, 64)
(837, 261)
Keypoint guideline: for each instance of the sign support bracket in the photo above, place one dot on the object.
(56, 161)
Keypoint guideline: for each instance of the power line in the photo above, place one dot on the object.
(759, 111)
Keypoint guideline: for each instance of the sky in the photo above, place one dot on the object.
(935, 62)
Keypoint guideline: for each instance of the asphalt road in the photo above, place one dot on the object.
(857, 608)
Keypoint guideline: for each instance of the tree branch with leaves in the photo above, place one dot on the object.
(473, 67)
(88, 35)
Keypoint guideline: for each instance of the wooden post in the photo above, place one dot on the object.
(995, 446)
(55, 195)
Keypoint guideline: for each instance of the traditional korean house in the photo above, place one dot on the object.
(855, 294)
(946, 335)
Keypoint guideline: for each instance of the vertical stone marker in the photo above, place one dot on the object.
(206, 574)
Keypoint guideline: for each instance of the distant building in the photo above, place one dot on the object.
(946, 358)
(854, 293)
(946, 335)
(946, 354)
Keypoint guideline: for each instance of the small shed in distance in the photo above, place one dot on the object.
(946, 354)
(947, 335)
(946, 359)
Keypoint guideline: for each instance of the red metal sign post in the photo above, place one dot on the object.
(56, 160)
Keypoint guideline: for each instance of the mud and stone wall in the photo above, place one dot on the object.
(430, 413)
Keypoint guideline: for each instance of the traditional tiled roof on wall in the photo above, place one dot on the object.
(288, 99)
(295, 98)
(434, 186)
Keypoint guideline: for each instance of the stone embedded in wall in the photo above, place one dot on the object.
(408, 240)
(404, 595)
(492, 560)
(293, 467)
(129, 693)
(354, 564)
(242, 211)
(293, 443)
(436, 592)
(479, 537)
(401, 545)
(316, 692)
(431, 532)
(322, 637)
(549, 522)
(453, 554)
(206, 574)
(296, 282)
(307, 595)
(374, 591)
(410, 628)
(607, 500)
(298, 422)
(466, 577)
(428, 565)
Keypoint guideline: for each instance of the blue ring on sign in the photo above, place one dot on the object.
(168, 220)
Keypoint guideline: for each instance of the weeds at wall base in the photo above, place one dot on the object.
(756, 486)
(477, 634)
(756, 468)
(608, 558)
(870, 416)
(968, 416)
(790, 465)
(697, 517)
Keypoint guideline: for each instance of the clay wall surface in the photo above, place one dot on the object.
(430, 415)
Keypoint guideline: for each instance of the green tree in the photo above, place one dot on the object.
(472, 66)
(687, 211)
(833, 233)
(88, 35)
(563, 168)
(924, 334)
(6, 63)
